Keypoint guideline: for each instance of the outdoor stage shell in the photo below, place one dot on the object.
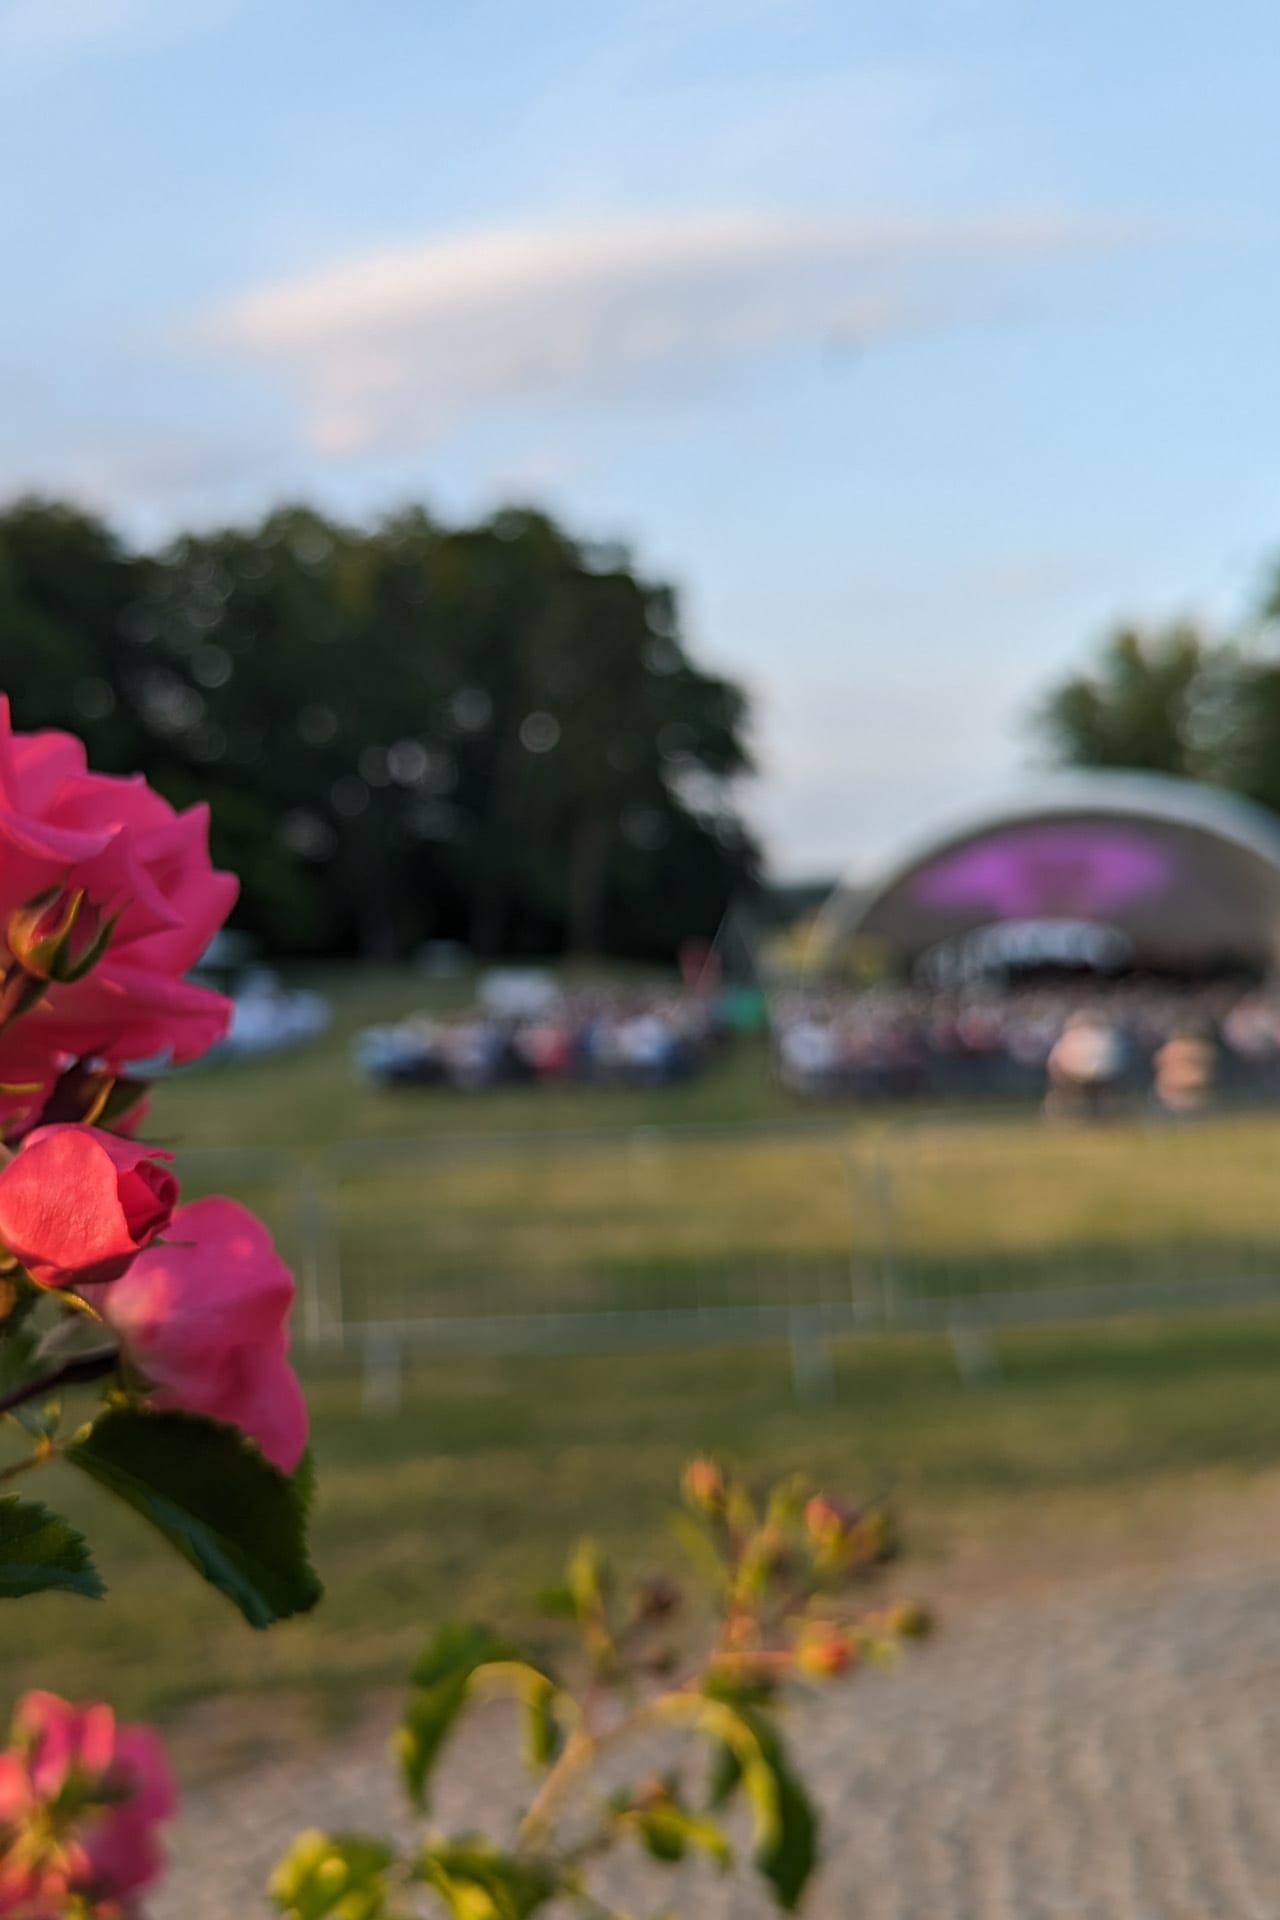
(1176, 874)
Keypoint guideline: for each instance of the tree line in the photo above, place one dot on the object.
(492, 734)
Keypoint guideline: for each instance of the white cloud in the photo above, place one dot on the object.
(399, 349)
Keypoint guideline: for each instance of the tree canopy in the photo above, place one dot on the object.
(405, 731)
(1175, 700)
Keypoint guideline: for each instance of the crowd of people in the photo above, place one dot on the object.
(1076, 1040)
(598, 1037)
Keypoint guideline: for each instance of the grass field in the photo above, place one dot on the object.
(465, 1498)
(524, 1199)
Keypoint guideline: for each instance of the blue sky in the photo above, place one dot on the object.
(914, 343)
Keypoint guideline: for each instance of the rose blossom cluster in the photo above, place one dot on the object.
(80, 1798)
(107, 899)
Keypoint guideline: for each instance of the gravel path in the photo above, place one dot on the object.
(1105, 1753)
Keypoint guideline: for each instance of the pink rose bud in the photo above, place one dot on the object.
(80, 1800)
(77, 1204)
(204, 1321)
(59, 935)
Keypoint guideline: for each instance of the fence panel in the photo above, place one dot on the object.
(667, 1237)
(653, 1221)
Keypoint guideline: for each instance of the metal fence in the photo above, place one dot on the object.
(665, 1238)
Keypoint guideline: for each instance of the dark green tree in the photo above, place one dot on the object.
(1145, 703)
(488, 733)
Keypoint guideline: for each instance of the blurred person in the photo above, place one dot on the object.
(1185, 1068)
(1084, 1066)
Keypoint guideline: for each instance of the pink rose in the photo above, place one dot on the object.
(80, 1799)
(203, 1319)
(77, 1204)
(65, 830)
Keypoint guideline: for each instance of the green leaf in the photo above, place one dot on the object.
(668, 1831)
(701, 1550)
(726, 1774)
(542, 1732)
(40, 1553)
(588, 1580)
(442, 1680)
(747, 1752)
(477, 1882)
(426, 1725)
(459, 1647)
(786, 1826)
(787, 1501)
(238, 1520)
(338, 1874)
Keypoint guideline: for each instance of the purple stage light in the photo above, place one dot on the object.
(1073, 871)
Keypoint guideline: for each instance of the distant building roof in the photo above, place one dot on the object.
(1189, 874)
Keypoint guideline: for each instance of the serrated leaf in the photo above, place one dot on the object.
(339, 1874)
(40, 1553)
(239, 1521)
(478, 1882)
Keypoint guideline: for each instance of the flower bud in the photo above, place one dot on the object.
(59, 935)
(909, 1619)
(827, 1520)
(824, 1652)
(703, 1485)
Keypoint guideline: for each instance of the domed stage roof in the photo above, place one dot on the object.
(1094, 868)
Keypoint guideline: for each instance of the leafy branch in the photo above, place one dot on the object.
(785, 1577)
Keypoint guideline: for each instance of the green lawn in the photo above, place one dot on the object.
(528, 1198)
(465, 1499)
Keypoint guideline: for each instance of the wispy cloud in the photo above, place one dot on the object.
(404, 347)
